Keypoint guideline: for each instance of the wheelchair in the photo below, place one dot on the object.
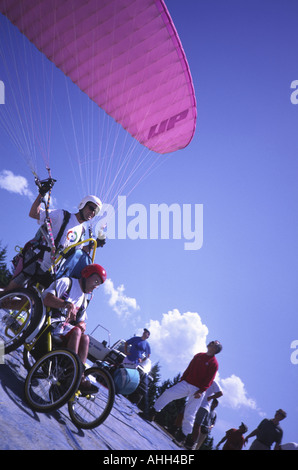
(55, 377)
(22, 313)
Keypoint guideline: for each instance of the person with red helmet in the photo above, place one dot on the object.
(67, 297)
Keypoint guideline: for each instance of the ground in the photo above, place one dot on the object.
(22, 428)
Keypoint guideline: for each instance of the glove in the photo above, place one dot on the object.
(100, 242)
(101, 238)
(45, 186)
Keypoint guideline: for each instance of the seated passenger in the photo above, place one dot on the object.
(67, 296)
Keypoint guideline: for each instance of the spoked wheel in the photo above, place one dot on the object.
(20, 312)
(89, 408)
(53, 380)
(40, 347)
(28, 359)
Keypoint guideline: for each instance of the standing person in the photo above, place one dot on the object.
(268, 432)
(66, 229)
(234, 439)
(195, 380)
(67, 296)
(213, 392)
(140, 348)
(208, 424)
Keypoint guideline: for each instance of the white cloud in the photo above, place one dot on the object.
(234, 393)
(15, 183)
(122, 305)
(177, 338)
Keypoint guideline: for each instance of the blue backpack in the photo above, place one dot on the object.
(73, 263)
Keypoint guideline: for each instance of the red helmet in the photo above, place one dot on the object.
(94, 269)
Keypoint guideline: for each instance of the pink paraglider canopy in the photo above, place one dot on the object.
(125, 55)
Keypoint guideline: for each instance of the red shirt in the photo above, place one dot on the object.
(235, 440)
(201, 371)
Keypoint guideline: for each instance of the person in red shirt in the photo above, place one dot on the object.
(195, 380)
(234, 439)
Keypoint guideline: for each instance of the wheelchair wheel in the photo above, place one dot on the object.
(89, 409)
(40, 348)
(53, 380)
(20, 312)
(28, 359)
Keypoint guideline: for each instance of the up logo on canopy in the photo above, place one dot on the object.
(167, 124)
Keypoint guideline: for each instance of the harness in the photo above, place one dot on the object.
(65, 296)
(40, 244)
(41, 234)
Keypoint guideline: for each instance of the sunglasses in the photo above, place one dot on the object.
(92, 208)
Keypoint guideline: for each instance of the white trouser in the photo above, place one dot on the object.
(181, 390)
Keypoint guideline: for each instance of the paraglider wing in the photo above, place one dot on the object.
(125, 55)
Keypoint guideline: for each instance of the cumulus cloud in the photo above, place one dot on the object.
(122, 305)
(234, 393)
(177, 338)
(15, 183)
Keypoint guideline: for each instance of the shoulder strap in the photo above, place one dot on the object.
(56, 312)
(84, 306)
(66, 293)
(62, 228)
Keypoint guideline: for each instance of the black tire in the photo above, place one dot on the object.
(90, 409)
(53, 380)
(39, 350)
(28, 359)
(20, 313)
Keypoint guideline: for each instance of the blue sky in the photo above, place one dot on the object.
(240, 286)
